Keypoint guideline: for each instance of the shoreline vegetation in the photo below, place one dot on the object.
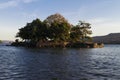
(0, 41)
(59, 45)
(56, 31)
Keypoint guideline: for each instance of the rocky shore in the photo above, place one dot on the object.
(59, 44)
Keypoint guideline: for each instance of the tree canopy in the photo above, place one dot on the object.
(0, 41)
(55, 28)
(55, 18)
(59, 27)
(34, 31)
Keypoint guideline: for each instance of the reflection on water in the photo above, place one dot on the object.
(18, 63)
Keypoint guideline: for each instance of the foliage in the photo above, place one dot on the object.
(85, 30)
(81, 32)
(55, 18)
(17, 40)
(55, 28)
(59, 27)
(34, 31)
(59, 32)
(75, 33)
(0, 41)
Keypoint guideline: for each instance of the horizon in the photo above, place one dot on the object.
(102, 15)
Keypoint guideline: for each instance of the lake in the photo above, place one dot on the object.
(18, 63)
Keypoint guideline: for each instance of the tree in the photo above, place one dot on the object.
(75, 33)
(25, 32)
(85, 30)
(0, 41)
(39, 30)
(33, 31)
(17, 40)
(59, 27)
(55, 18)
(55, 28)
(81, 32)
(59, 32)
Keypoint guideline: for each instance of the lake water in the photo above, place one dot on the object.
(18, 63)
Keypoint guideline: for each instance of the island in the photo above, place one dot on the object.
(55, 31)
(0, 41)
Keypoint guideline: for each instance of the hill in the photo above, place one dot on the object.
(112, 38)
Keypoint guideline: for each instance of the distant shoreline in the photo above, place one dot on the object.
(112, 38)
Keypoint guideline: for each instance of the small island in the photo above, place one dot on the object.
(0, 41)
(55, 31)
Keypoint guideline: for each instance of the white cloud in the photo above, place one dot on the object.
(27, 1)
(14, 3)
(8, 4)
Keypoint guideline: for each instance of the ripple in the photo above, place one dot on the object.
(18, 63)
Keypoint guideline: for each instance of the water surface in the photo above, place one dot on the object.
(18, 63)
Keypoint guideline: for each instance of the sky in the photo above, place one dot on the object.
(103, 15)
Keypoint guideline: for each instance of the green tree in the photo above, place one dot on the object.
(0, 41)
(42, 32)
(59, 32)
(59, 27)
(25, 32)
(33, 31)
(75, 34)
(85, 30)
(56, 28)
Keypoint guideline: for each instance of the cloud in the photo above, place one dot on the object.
(11, 3)
(28, 1)
(14, 3)
(104, 26)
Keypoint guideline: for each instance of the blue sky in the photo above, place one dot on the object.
(104, 15)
